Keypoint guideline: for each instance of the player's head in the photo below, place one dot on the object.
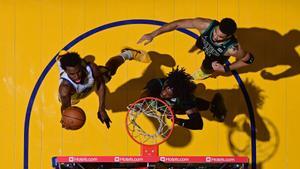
(71, 63)
(178, 84)
(225, 30)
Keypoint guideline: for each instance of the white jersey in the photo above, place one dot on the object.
(82, 89)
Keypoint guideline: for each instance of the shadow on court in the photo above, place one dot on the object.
(238, 123)
(271, 49)
(131, 90)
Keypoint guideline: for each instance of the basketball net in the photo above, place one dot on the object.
(149, 122)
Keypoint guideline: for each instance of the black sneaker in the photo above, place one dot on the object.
(218, 107)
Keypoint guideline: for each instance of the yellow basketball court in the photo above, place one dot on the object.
(34, 31)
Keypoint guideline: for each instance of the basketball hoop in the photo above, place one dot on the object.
(149, 122)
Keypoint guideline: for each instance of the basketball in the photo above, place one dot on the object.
(73, 118)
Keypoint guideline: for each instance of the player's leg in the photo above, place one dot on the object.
(205, 71)
(127, 54)
(202, 104)
(134, 54)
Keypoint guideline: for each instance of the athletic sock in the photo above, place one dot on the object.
(127, 55)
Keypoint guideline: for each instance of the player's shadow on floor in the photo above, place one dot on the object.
(130, 91)
(237, 121)
(235, 104)
(271, 49)
(240, 144)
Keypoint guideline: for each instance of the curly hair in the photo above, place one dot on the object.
(181, 82)
(70, 59)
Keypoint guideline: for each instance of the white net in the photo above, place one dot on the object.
(149, 121)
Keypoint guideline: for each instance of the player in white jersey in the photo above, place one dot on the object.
(78, 78)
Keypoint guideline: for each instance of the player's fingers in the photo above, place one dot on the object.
(100, 118)
(107, 124)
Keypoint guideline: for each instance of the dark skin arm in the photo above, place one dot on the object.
(101, 92)
(65, 93)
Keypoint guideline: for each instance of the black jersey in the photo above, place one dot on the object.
(154, 88)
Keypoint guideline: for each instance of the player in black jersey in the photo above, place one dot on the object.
(216, 39)
(177, 91)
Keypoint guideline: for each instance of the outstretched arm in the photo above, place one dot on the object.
(65, 93)
(101, 92)
(100, 86)
(292, 71)
(197, 23)
(102, 114)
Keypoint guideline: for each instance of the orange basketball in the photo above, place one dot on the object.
(73, 118)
